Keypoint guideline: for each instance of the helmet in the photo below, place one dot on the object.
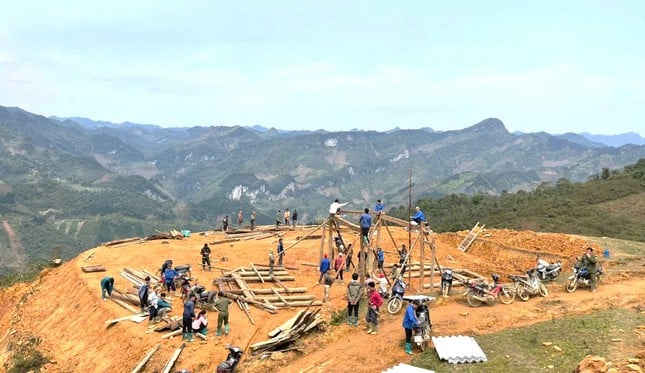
(495, 277)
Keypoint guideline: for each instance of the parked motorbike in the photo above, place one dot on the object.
(396, 296)
(233, 358)
(422, 333)
(480, 293)
(548, 271)
(525, 286)
(446, 281)
(581, 276)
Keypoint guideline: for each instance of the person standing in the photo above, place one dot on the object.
(339, 266)
(107, 284)
(329, 281)
(589, 260)
(379, 208)
(221, 305)
(324, 267)
(365, 222)
(206, 257)
(278, 219)
(240, 219)
(375, 303)
(143, 294)
(287, 217)
(410, 322)
(418, 217)
(354, 294)
(334, 208)
(153, 299)
(169, 276)
(348, 260)
(271, 262)
(280, 252)
(225, 224)
(253, 216)
(403, 254)
(294, 218)
(380, 257)
(187, 318)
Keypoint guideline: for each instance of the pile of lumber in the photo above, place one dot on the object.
(283, 336)
(137, 276)
(95, 268)
(173, 234)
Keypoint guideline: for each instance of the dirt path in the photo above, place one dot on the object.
(454, 317)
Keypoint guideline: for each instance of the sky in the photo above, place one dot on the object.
(553, 66)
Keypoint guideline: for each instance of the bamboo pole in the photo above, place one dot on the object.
(257, 272)
(145, 359)
(304, 237)
(280, 296)
(268, 291)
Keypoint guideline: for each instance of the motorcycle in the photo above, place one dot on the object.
(396, 297)
(446, 281)
(525, 286)
(422, 333)
(581, 276)
(548, 271)
(233, 358)
(478, 293)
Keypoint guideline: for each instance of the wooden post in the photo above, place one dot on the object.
(173, 359)
(422, 256)
(434, 261)
(322, 243)
(362, 265)
(332, 222)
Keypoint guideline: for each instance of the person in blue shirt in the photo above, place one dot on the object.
(324, 267)
(366, 222)
(379, 208)
(280, 251)
(418, 216)
(410, 322)
(187, 319)
(169, 277)
(380, 257)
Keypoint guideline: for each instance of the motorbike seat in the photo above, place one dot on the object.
(551, 267)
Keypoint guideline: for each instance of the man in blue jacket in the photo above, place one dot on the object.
(409, 323)
(324, 267)
(379, 208)
(366, 223)
(418, 216)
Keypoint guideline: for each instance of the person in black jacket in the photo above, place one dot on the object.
(206, 260)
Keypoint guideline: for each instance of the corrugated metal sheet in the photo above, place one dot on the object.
(405, 368)
(458, 349)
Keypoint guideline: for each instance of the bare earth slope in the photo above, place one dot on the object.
(63, 308)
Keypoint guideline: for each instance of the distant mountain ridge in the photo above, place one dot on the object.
(85, 183)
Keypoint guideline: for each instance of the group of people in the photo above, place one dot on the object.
(286, 218)
(240, 220)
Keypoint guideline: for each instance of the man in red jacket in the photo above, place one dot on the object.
(375, 302)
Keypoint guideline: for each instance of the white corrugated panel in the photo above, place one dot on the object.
(405, 368)
(458, 349)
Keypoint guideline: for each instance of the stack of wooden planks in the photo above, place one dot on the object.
(283, 336)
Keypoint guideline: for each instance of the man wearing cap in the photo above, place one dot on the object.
(589, 260)
(324, 267)
(271, 262)
(418, 216)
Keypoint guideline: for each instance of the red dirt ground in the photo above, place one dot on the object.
(64, 309)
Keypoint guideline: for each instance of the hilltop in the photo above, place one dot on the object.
(62, 316)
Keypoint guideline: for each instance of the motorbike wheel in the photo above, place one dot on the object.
(470, 297)
(506, 295)
(522, 293)
(394, 305)
(571, 285)
(543, 290)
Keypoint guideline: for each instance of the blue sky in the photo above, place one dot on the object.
(554, 66)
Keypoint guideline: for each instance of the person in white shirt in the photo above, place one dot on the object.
(335, 207)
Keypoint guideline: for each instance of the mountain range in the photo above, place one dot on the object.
(69, 183)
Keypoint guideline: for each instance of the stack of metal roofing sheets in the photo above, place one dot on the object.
(405, 368)
(458, 349)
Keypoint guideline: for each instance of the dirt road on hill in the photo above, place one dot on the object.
(64, 311)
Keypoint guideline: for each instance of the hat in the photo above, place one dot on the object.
(417, 208)
(340, 254)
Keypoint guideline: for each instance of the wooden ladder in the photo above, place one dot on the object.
(470, 237)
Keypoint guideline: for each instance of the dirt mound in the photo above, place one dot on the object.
(63, 309)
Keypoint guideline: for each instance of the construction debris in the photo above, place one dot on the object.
(290, 331)
(145, 359)
(96, 268)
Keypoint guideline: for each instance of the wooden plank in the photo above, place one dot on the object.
(114, 321)
(268, 291)
(257, 272)
(124, 305)
(286, 325)
(145, 359)
(280, 296)
(171, 334)
(89, 256)
(95, 268)
(275, 278)
(173, 359)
